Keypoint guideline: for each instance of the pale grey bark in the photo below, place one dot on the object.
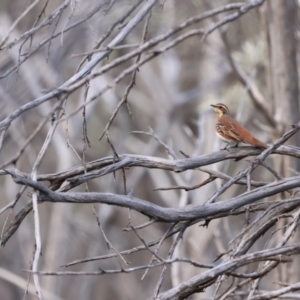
(282, 20)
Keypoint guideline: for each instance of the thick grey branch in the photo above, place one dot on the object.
(180, 165)
(164, 214)
(192, 285)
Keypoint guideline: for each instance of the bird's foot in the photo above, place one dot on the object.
(227, 148)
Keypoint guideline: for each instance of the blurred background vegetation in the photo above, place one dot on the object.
(172, 95)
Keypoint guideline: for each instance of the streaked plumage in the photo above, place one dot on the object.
(231, 131)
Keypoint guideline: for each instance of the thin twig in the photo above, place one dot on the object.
(37, 163)
(131, 84)
(23, 14)
(75, 81)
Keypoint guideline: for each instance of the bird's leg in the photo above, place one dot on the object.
(234, 146)
(225, 148)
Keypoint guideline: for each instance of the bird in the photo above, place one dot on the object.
(231, 131)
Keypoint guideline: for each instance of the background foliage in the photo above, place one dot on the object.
(141, 75)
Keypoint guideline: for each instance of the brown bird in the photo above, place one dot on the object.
(231, 131)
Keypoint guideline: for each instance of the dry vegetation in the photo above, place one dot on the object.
(113, 183)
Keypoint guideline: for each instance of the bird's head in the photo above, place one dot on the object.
(221, 109)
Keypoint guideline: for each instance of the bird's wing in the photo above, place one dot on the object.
(233, 130)
(239, 131)
(229, 129)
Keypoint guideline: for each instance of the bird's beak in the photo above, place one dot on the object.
(212, 105)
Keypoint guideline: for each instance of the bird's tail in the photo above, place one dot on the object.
(258, 143)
